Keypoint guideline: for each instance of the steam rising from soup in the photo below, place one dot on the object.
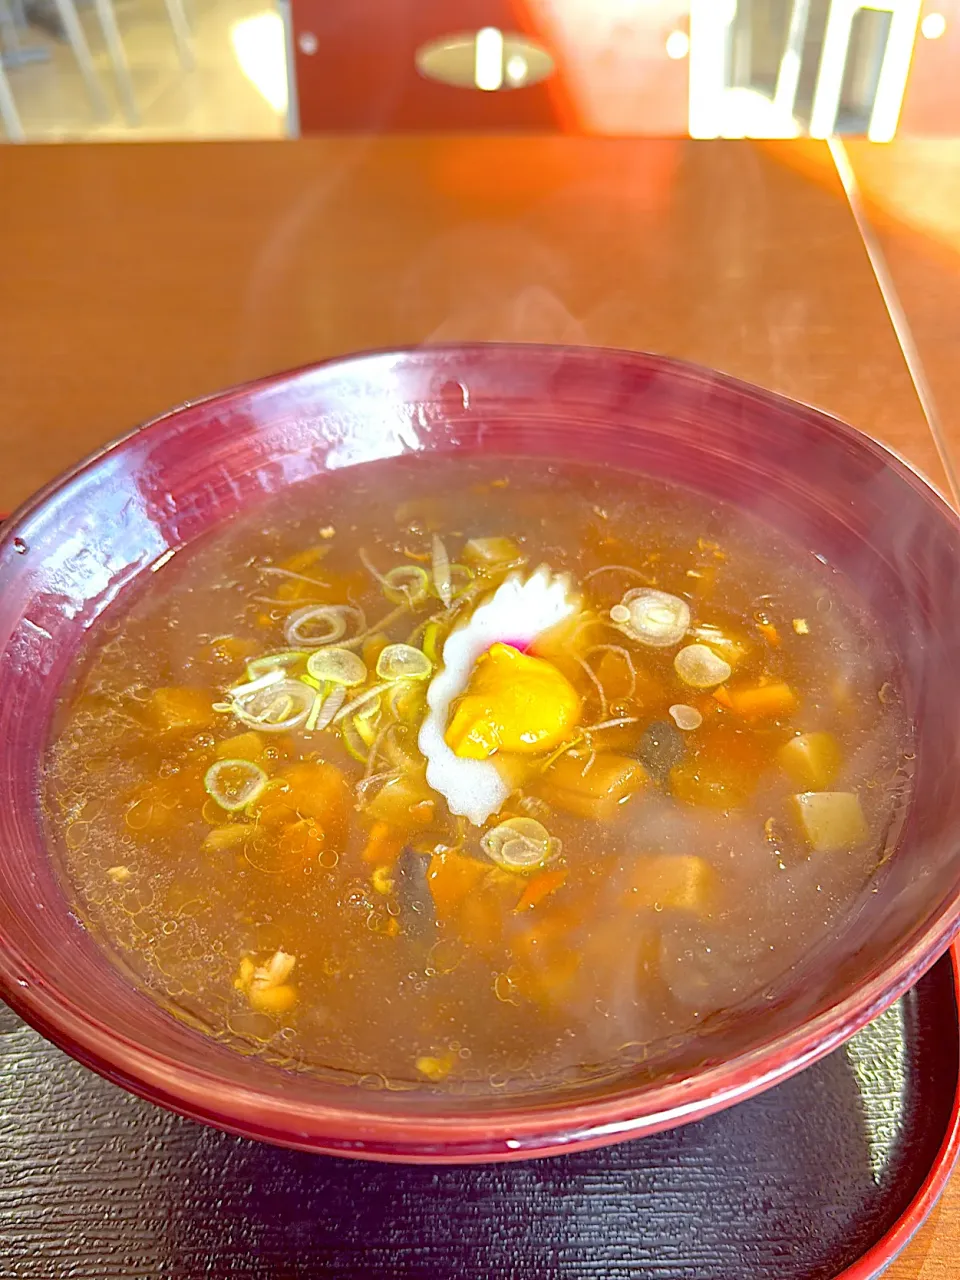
(474, 777)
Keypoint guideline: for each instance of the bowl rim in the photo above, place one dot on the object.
(517, 1131)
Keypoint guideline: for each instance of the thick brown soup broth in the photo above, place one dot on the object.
(628, 823)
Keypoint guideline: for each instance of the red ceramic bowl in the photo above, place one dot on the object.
(67, 557)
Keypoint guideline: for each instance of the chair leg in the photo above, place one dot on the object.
(118, 58)
(8, 111)
(9, 35)
(894, 70)
(81, 51)
(181, 33)
(788, 76)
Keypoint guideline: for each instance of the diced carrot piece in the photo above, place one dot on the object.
(594, 792)
(722, 769)
(302, 841)
(307, 789)
(540, 887)
(680, 881)
(764, 701)
(384, 845)
(770, 634)
(179, 708)
(452, 877)
(722, 695)
(483, 913)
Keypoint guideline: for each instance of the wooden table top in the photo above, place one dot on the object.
(137, 277)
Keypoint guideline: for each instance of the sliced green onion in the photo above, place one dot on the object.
(289, 661)
(234, 783)
(431, 642)
(336, 666)
(403, 662)
(685, 717)
(441, 571)
(325, 707)
(282, 704)
(320, 624)
(367, 719)
(361, 700)
(520, 844)
(406, 699)
(654, 618)
(461, 576)
(698, 666)
(254, 686)
(406, 584)
(354, 741)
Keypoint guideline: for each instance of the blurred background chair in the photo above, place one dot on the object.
(16, 51)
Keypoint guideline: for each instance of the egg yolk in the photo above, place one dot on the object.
(514, 702)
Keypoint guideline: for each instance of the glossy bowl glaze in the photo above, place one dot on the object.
(69, 554)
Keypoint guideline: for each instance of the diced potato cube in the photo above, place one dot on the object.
(484, 553)
(682, 882)
(594, 792)
(242, 746)
(435, 1069)
(178, 708)
(274, 1000)
(403, 802)
(811, 760)
(831, 820)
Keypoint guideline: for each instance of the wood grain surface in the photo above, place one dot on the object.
(137, 277)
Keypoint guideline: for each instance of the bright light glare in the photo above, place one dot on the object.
(678, 45)
(517, 69)
(488, 64)
(933, 26)
(258, 43)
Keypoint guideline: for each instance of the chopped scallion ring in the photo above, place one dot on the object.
(274, 705)
(698, 666)
(520, 844)
(337, 666)
(290, 661)
(654, 618)
(403, 662)
(234, 783)
(406, 584)
(317, 625)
